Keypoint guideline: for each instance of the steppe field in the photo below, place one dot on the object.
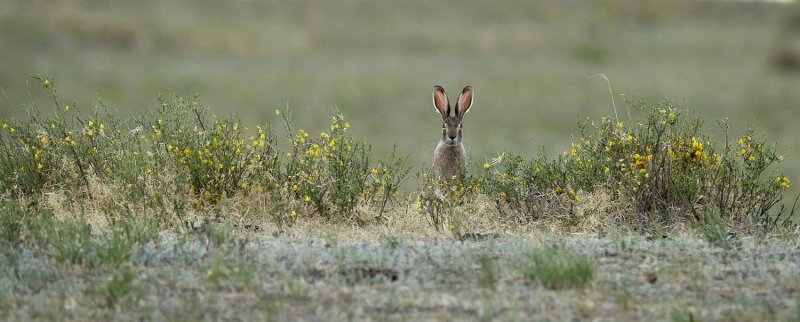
(177, 160)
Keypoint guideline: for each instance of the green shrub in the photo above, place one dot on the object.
(211, 156)
(663, 163)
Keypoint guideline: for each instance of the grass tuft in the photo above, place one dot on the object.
(558, 267)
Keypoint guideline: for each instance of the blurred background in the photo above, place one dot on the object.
(529, 62)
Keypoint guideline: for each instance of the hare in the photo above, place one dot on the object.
(450, 158)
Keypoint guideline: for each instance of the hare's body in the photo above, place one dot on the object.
(450, 158)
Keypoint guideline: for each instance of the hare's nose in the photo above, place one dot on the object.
(451, 136)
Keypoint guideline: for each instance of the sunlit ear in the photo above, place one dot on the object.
(464, 101)
(440, 101)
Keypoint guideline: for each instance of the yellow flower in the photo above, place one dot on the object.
(486, 166)
(66, 107)
(39, 166)
(91, 123)
(751, 158)
(5, 125)
(307, 199)
(244, 185)
(559, 190)
(90, 133)
(293, 213)
(574, 194)
(346, 125)
(148, 171)
(374, 171)
(46, 82)
(11, 130)
(606, 170)
(277, 112)
(783, 182)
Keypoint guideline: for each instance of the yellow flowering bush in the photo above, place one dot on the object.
(661, 163)
(177, 155)
(60, 150)
(218, 156)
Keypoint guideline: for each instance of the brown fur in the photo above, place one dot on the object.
(449, 160)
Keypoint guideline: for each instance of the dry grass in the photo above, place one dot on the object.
(595, 214)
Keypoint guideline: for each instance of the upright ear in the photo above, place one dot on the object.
(440, 101)
(464, 101)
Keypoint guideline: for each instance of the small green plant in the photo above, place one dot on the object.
(120, 284)
(384, 181)
(488, 275)
(528, 190)
(218, 234)
(69, 241)
(715, 230)
(559, 267)
(682, 315)
(223, 271)
(115, 249)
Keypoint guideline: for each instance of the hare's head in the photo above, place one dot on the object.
(451, 124)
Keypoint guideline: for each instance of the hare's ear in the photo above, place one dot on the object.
(440, 101)
(464, 101)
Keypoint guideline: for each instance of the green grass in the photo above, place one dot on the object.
(557, 267)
